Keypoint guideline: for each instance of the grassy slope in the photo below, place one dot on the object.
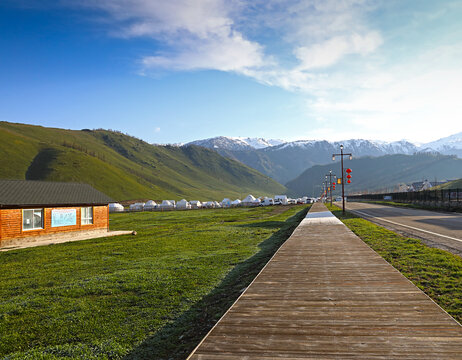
(124, 167)
(105, 298)
(381, 172)
(436, 272)
(456, 184)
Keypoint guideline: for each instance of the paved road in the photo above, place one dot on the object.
(436, 229)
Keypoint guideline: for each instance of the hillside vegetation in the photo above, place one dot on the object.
(382, 172)
(125, 167)
(456, 184)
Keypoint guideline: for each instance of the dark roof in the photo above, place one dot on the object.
(42, 193)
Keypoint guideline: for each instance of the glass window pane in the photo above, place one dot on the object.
(38, 219)
(28, 219)
(87, 215)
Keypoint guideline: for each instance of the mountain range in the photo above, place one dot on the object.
(125, 167)
(382, 173)
(284, 161)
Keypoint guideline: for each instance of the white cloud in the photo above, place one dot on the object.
(195, 34)
(331, 53)
(210, 34)
(230, 53)
(328, 53)
(424, 105)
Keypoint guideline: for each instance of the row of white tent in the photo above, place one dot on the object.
(183, 204)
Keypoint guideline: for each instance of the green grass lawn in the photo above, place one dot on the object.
(436, 272)
(150, 296)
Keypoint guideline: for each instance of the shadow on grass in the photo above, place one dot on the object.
(265, 224)
(177, 339)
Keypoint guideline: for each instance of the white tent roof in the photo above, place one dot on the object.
(115, 205)
(249, 198)
(166, 202)
(182, 202)
(236, 202)
(150, 203)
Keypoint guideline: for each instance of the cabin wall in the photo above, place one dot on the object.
(11, 222)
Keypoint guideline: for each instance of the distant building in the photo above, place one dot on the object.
(183, 205)
(424, 185)
(195, 204)
(35, 208)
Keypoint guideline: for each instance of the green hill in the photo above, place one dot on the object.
(125, 167)
(380, 173)
(456, 184)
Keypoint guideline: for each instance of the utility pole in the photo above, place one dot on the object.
(342, 154)
(331, 184)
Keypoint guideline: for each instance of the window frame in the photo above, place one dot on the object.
(82, 218)
(41, 210)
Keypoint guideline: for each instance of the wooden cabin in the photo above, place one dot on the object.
(35, 208)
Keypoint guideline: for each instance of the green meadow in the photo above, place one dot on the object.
(436, 272)
(149, 296)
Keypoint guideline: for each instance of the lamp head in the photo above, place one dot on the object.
(351, 157)
(341, 147)
(333, 157)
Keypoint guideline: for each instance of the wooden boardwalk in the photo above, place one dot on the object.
(326, 295)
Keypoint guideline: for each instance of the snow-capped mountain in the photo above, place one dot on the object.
(260, 143)
(284, 161)
(450, 145)
(235, 143)
(359, 147)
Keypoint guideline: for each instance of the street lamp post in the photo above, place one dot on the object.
(342, 154)
(330, 184)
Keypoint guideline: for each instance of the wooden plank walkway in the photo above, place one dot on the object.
(326, 295)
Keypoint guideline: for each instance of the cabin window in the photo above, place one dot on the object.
(32, 219)
(87, 215)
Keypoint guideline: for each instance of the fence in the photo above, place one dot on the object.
(451, 198)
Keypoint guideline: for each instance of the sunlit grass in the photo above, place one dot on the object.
(153, 295)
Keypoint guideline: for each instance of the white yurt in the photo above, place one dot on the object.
(137, 207)
(183, 204)
(236, 202)
(150, 205)
(116, 207)
(281, 199)
(209, 205)
(166, 205)
(249, 200)
(256, 202)
(195, 204)
(217, 205)
(226, 203)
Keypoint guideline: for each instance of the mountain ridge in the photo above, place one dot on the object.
(123, 166)
(380, 173)
(287, 160)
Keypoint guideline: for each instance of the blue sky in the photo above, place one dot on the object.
(179, 70)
